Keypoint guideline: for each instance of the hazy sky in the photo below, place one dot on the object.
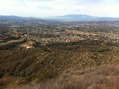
(46, 8)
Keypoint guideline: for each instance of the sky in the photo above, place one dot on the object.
(49, 8)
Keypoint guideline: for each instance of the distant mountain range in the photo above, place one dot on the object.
(70, 17)
(17, 18)
(80, 17)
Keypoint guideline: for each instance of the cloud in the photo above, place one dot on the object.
(46, 8)
(38, 0)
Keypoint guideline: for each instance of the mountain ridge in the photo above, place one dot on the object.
(81, 17)
(69, 17)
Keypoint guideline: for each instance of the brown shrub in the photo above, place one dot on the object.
(102, 77)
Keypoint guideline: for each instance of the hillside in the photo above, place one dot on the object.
(35, 54)
(101, 77)
(39, 64)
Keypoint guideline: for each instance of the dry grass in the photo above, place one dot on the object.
(102, 77)
(48, 62)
